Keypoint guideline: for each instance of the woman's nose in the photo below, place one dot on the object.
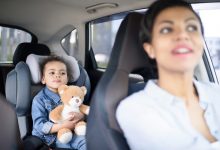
(182, 34)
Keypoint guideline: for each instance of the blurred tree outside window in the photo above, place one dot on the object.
(9, 40)
(103, 35)
(209, 14)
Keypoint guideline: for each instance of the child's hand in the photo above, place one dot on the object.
(70, 124)
(74, 116)
(73, 119)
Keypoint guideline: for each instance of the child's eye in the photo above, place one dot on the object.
(63, 73)
(165, 30)
(51, 73)
(191, 28)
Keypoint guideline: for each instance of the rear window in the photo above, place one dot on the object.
(70, 43)
(9, 40)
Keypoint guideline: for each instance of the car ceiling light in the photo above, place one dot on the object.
(93, 9)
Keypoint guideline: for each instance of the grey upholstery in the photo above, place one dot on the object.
(18, 88)
(103, 131)
(18, 93)
(9, 138)
(22, 73)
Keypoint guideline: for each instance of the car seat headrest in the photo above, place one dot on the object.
(24, 49)
(34, 62)
(127, 53)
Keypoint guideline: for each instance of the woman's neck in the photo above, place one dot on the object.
(180, 85)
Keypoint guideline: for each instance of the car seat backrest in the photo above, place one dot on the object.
(18, 84)
(127, 56)
(20, 76)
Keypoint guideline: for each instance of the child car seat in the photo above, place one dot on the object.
(22, 86)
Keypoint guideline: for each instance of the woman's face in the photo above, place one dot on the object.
(177, 43)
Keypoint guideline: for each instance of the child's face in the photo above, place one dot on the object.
(54, 75)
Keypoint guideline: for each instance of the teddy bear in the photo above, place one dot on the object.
(72, 98)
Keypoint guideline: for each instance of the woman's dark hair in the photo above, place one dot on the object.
(152, 13)
(52, 59)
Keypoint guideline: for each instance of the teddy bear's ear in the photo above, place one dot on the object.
(83, 88)
(62, 88)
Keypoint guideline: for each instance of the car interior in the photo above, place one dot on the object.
(68, 29)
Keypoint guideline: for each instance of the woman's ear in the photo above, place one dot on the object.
(149, 50)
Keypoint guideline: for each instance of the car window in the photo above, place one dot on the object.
(9, 40)
(103, 32)
(70, 43)
(102, 37)
(209, 14)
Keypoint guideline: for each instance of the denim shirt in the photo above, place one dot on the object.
(158, 120)
(42, 104)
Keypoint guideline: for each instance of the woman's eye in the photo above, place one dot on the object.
(166, 30)
(191, 28)
(51, 73)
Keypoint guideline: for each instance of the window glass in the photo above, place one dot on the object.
(209, 14)
(102, 36)
(70, 42)
(9, 40)
(102, 43)
(103, 32)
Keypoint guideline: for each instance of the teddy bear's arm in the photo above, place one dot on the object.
(55, 114)
(84, 109)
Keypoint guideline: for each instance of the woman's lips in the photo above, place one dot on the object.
(182, 50)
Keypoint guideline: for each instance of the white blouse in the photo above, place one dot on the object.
(153, 119)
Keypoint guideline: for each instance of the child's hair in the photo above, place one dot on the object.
(52, 59)
(154, 10)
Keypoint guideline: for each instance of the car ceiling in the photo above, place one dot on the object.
(45, 18)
